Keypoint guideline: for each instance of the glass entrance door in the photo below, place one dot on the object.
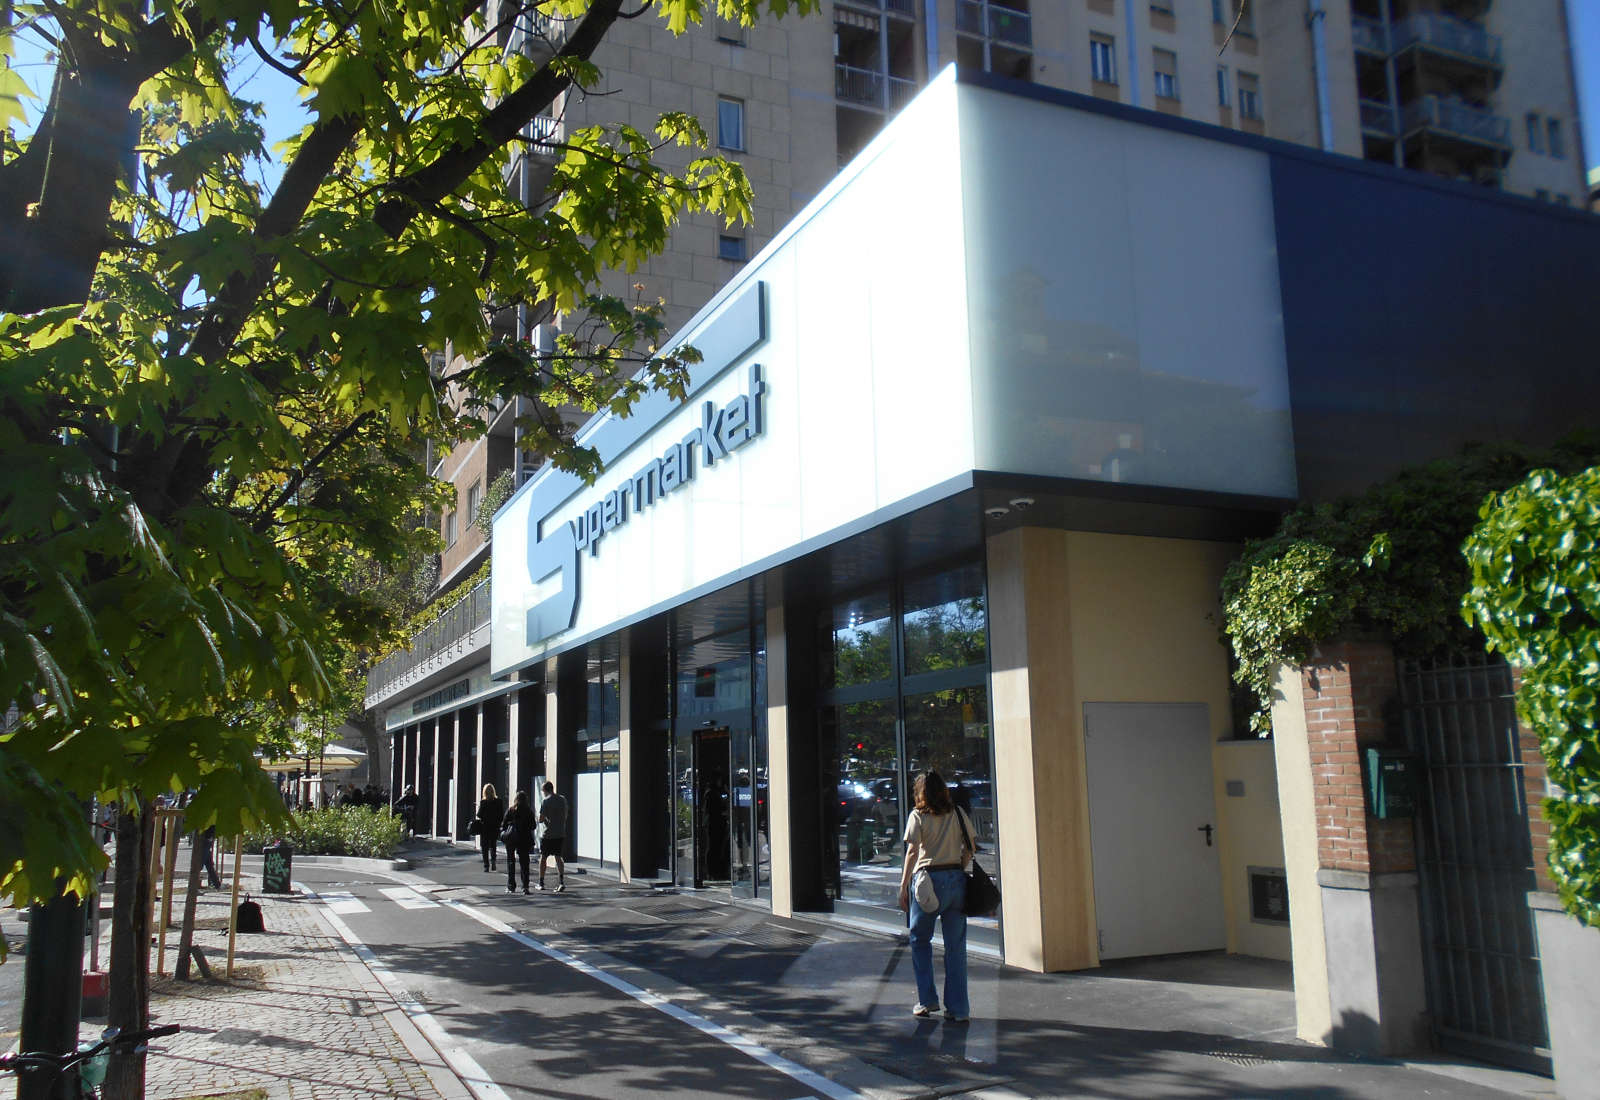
(712, 807)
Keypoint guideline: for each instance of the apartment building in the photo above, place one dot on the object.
(1470, 90)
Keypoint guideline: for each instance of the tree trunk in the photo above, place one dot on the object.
(129, 994)
(190, 898)
(52, 985)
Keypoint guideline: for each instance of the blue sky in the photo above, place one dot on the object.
(1585, 16)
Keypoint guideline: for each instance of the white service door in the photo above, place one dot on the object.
(1152, 829)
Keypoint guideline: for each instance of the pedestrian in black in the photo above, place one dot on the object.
(406, 807)
(491, 812)
(553, 842)
(208, 842)
(518, 837)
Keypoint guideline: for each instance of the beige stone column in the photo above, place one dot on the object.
(625, 761)
(1040, 783)
(552, 730)
(779, 795)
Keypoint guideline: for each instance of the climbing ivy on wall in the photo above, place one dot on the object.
(1386, 563)
(1535, 594)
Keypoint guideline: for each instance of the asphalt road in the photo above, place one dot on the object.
(534, 1021)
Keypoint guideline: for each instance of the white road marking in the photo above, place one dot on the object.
(465, 1065)
(343, 901)
(407, 898)
(806, 1077)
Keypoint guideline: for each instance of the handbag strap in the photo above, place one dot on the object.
(961, 819)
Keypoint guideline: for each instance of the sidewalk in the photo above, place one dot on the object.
(302, 1018)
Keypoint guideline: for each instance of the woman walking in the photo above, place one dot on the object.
(937, 846)
(520, 823)
(491, 812)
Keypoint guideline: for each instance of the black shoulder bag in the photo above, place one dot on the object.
(983, 896)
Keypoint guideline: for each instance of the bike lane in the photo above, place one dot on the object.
(517, 1017)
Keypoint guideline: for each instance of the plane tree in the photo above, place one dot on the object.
(213, 387)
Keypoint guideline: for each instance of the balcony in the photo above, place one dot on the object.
(1455, 119)
(871, 88)
(460, 631)
(1450, 38)
(1377, 118)
(994, 22)
(1369, 35)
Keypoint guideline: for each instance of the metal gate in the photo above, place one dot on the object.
(1475, 861)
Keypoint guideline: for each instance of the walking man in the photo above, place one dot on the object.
(553, 816)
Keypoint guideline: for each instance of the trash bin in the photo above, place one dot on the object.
(277, 861)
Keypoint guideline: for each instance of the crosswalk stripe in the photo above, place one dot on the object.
(343, 901)
(407, 898)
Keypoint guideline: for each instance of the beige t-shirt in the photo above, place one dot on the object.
(938, 836)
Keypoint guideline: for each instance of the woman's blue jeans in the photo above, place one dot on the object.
(951, 887)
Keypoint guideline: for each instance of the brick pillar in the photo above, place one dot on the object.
(1354, 915)
(1569, 953)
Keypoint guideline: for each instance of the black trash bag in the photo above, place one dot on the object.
(248, 918)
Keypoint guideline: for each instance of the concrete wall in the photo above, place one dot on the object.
(1251, 836)
(1296, 800)
(1569, 963)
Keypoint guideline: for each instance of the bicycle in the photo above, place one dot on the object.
(92, 1060)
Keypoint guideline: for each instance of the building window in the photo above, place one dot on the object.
(1227, 12)
(1249, 96)
(1162, 8)
(730, 31)
(731, 248)
(474, 498)
(1223, 99)
(449, 529)
(1557, 144)
(730, 124)
(1535, 134)
(1166, 65)
(1103, 58)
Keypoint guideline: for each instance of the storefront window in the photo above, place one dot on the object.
(907, 691)
(862, 643)
(945, 624)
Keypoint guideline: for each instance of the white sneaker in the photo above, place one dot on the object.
(923, 1010)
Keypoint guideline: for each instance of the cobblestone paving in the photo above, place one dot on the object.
(302, 1018)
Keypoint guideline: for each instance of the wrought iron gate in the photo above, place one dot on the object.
(1475, 862)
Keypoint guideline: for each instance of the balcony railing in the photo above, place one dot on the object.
(1377, 118)
(995, 22)
(1458, 119)
(871, 87)
(1370, 35)
(1443, 34)
(447, 637)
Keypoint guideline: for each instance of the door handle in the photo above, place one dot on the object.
(1207, 830)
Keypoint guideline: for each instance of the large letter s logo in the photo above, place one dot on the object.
(556, 553)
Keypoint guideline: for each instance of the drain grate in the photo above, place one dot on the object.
(1238, 1058)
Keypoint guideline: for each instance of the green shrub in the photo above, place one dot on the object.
(1384, 564)
(1535, 560)
(338, 831)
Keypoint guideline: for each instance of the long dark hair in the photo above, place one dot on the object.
(522, 801)
(932, 796)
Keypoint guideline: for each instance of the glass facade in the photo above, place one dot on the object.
(905, 673)
(721, 832)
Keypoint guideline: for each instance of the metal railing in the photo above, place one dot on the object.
(1370, 35)
(1377, 118)
(450, 631)
(1442, 33)
(871, 87)
(1462, 120)
(994, 21)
